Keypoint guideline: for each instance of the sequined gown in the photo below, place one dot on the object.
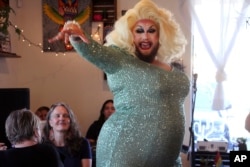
(147, 128)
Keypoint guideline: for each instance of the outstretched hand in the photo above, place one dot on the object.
(70, 28)
(2, 146)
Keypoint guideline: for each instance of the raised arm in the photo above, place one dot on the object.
(106, 58)
(70, 28)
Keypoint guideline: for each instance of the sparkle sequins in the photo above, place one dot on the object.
(147, 128)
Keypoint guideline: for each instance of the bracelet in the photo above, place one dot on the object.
(75, 38)
(72, 22)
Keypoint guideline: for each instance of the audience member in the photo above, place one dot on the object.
(63, 132)
(22, 130)
(42, 112)
(93, 132)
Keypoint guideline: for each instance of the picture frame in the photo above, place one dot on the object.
(54, 15)
(5, 41)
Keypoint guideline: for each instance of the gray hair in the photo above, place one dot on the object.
(21, 125)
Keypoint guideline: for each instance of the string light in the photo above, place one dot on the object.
(96, 35)
(25, 39)
(5, 23)
(30, 43)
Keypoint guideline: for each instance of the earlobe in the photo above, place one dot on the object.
(50, 124)
(37, 135)
(51, 135)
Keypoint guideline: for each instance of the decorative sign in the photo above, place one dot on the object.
(5, 43)
(56, 13)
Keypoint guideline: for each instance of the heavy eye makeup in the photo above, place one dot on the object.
(141, 30)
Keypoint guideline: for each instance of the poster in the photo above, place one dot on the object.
(5, 43)
(56, 13)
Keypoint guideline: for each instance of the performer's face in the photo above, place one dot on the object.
(146, 39)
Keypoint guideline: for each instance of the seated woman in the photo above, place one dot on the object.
(62, 131)
(93, 132)
(22, 130)
(42, 112)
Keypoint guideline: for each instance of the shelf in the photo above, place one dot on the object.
(104, 10)
(200, 157)
(8, 55)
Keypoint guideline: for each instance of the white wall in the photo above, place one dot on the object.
(67, 78)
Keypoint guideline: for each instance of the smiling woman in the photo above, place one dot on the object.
(62, 131)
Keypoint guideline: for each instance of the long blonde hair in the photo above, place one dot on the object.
(172, 41)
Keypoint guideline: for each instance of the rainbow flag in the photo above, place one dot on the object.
(218, 160)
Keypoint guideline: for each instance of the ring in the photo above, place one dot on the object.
(72, 22)
(69, 29)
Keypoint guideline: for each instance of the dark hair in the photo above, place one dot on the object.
(178, 66)
(21, 125)
(102, 118)
(73, 138)
(42, 108)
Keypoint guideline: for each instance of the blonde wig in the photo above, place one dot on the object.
(172, 41)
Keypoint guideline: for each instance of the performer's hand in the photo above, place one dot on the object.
(2, 146)
(70, 28)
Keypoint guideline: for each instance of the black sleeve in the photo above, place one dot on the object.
(1, 158)
(53, 157)
(85, 149)
(93, 131)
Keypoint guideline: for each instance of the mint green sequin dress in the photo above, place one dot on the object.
(147, 128)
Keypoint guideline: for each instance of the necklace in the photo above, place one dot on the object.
(25, 143)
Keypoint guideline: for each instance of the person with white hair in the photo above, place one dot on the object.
(22, 130)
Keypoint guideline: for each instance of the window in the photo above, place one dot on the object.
(221, 51)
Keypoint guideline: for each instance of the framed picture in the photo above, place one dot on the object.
(56, 13)
(5, 43)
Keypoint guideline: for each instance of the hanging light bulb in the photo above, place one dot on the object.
(96, 36)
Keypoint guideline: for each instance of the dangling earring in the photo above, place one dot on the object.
(51, 135)
(37, 137)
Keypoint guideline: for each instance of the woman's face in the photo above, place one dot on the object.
(109, 109)
(146, 39)
(43, 114)
(59, 119)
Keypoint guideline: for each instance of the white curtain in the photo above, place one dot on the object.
(227, 18)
